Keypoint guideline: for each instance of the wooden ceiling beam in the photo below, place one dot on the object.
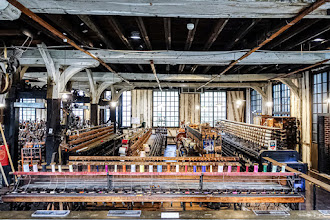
(119, 31)
(189, 40)
(98, 31)
(308, 36)
(168, 34)
(286, 36)
(294, 21)
(241, 33)
(68, 27)
(220, 25)
(143, 31)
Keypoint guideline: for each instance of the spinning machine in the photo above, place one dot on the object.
(154, 180)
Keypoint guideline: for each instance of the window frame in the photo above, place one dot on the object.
(255, 104)
(319, 98)
(173, 108)
(129, 113)
(280, 93)
(211, 105)
(24, 112)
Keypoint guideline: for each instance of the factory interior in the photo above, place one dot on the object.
(165, 109)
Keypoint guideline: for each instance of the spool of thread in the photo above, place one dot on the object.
(186, 168)
(35, 167)
(265, 166)
(256, 168)
(97, 168)
(238, 169)
(177, 168)
(229, 168)
(168, 168)
(122, 150)
(133, 168)
(283, 168)
(159, 168)
(141, 168)
(116, 168)
(247, 166)
(124, 168)
(106, 168)
(88, 168)
(220, 168)
(211, 169)
(274, 168)
(142, 154)
(70, 168)
(53, 167)
(43, 167)
(151, 168)
(195, 169)
(59, 167)
(26, 167)
(203, 169)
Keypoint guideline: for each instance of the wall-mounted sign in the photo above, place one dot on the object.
(272, 145)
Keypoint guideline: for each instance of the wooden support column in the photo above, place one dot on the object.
(94, 114)
(11, 122)
(53, 130)
(11, 117)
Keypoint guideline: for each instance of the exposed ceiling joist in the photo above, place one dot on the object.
(118, 29)
(244, 30)
(309, 36)
(220, 25)
(182, 8)
(189, 40)
(98, 31)
(296, 30)
(67, 27)
(208, 58)
(168, 34)
(144, 33)
(295, 20)
(193, 85)
(60, 35)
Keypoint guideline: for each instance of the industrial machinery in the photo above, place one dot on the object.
(97, 140)
(133, 180)
(253, 142)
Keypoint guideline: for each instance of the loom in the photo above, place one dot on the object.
(97, 140)
(155, 180)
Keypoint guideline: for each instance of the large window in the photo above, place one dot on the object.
(27, 114)
(166, 108)
(321, 96)
(126, 108)
(281, 100)
(78, 111)
(256, 104)
(213, 107)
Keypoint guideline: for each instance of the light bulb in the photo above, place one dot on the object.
(113, 104)
(269, 104)
(239, 102)
(65, 96)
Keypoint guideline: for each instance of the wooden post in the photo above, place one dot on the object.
(6, 146)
